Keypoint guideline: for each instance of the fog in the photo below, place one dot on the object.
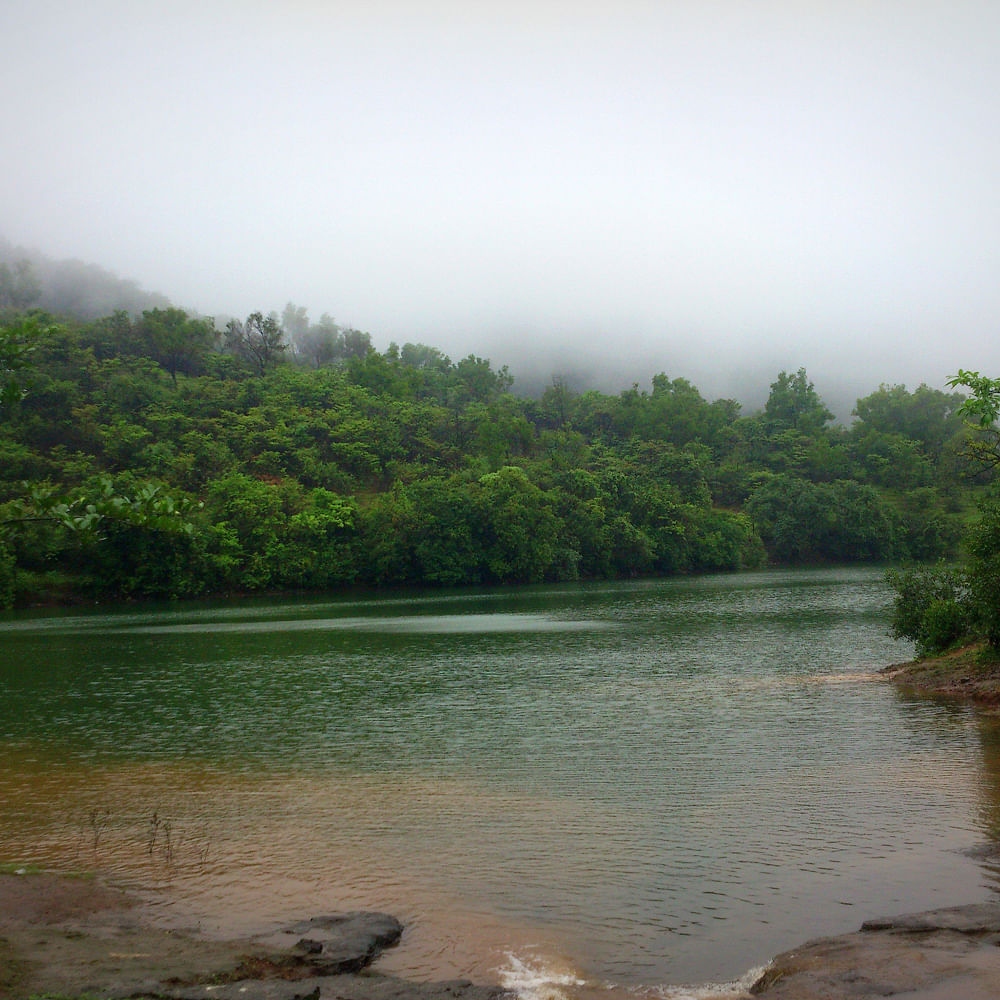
(718, 190)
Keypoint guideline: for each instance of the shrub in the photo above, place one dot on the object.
(931, 607)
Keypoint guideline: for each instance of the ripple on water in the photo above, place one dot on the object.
(639, 784)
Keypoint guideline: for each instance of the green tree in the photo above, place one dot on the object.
(927, 416)
(984, 572)
(320, 344)
(176, 341)
(930, 607)
(18, 340)
(260, 341)
(981, 411)
(520, 530)
(795, 404)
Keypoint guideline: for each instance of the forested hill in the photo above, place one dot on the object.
(157, 456)
(68, 287)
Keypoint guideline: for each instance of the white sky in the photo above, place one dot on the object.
(714, 189)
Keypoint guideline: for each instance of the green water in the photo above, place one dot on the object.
(644, 783)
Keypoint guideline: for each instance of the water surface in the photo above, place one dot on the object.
(641, 783)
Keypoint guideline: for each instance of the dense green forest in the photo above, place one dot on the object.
(155, 455)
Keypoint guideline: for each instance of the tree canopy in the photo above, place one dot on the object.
(302, 457)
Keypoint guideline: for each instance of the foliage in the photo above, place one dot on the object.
(259, 341)
(8, 575)
(984, 573)
(156, 465)
(794, 404)
(930, 607)
(981, 410)
(176, 342)
(800, 521)
(19, 287)
(18, 340)
(927, 417)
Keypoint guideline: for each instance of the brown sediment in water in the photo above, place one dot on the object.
(76, 937)
(79, 937)
(235, 853)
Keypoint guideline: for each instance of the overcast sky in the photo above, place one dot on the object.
(713, 189)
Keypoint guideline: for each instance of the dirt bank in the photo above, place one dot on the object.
(968, 673)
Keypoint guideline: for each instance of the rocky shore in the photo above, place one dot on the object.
(947, 954)
(68, 938)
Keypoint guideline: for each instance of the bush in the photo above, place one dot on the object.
(931, 607)
(945, 622)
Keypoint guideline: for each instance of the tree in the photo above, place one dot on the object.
(422, 356)
(137, 541)
(939, 606)
(356, 343)
(176, 341)
(320, 344)
(294, 321)
(520, 531)
(18, 340)
(19, 288)
(795, 404)
(984, 572)
(981, 411)
(930, 607)
(803, 522)
(927, 415)
(259, 341)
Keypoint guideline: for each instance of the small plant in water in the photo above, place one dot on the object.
(168, 849)
(99, 819)
(154, 828)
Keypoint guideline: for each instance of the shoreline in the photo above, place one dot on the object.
(65, 937)
(967, 673)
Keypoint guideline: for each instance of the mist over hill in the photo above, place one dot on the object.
(608, 363)
(76, 288)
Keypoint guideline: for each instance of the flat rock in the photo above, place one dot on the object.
(976, 918)
(946, 954)
(336, 943)
(345, 987)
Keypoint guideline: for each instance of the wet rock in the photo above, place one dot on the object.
(347, 987)
(976, 919)
(309, 946)
(336, 943)
(945, 954)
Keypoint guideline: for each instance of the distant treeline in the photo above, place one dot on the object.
(157, 455)
(67, 287)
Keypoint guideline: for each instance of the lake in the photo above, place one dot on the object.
(600, 786)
